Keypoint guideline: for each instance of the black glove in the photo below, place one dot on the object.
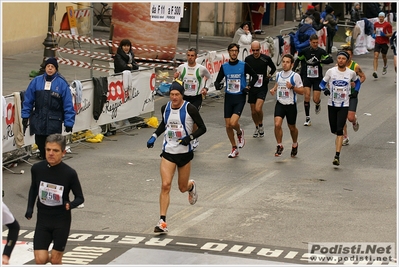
(28, 214)
(327, 92)
(25, 124)
(151, 141)
(68, 129)
(354, 94)
(218, 86)
(185, 141)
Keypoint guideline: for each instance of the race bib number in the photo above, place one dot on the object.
(339, 94)
(259, 82)
(313, 71)
(190, 85)
(233, 85)
(283, 92)
(174, 132)
(50, 194)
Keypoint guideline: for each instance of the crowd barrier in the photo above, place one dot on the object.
(130, 94)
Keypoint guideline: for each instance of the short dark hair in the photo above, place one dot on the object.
(290, 57)
(313, 37)
(125, 42)
(233, 45)
(192, 49)
(57, 138)
(347, 48)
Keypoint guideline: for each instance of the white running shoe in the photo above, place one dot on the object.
(307, 122)
(192, 195)
(345, 142)
(256, 133)
(234, 153)
(356, 125)
(261, 131)
(161, 227)
(241, 139)
(384, 70)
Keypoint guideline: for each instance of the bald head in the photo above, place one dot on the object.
(255, 47)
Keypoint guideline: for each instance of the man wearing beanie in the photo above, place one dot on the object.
(382, 33)
(178, 119)
(47, 104)
(337, 85)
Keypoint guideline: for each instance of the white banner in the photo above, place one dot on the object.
(136, 100)
(171, 12)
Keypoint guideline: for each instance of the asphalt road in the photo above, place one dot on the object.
(256, 199)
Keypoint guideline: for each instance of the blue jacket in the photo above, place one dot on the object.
(302, 35)
(48, 109)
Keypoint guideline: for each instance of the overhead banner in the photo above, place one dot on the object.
(171, 12)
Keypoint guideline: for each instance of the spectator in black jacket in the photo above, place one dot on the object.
(355, 13)
(124, 57)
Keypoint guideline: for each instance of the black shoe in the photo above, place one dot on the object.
(279, 150)
(336, 161)
(294, 151)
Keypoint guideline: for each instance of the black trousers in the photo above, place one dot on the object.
(40, 141)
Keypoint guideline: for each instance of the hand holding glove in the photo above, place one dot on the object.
(327, 92)
(68, 129)
(373, 35)
(382, 34)
(185, 141)
(354, 94)
(151, 141)
(25, 124)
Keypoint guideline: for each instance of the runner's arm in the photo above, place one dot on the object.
(194, 113)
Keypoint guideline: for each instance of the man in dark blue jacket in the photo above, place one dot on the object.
(47, 104)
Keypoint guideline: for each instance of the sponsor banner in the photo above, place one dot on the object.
(127, 98)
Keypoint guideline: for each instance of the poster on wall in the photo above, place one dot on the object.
(150, 39)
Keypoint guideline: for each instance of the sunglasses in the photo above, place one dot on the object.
(255, 50)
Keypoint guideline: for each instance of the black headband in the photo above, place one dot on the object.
(343, 53)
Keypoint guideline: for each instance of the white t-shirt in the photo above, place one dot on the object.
(284, 95)
(339, 83)
(193, 78)
(7, 215)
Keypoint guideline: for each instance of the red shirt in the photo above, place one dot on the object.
(384, 27)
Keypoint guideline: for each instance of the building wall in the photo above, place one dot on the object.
(29, 35)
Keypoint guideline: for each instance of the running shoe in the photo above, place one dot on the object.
(317, 108)
(195, 144)
(336, 161)
(261, 131)
(307, 122)
(294, 151)
(279, 150)
(345, 142)
(375, 75)
(256, 133)
(234, 153)
(161, 227)
(384, 70)
(241, 139)
(192, 195)
(356, 126)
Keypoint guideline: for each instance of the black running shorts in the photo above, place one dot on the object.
(312, 83)
(179, 159)
(255, 94)
(196, 100)
(353, 104)
(383, 48)
(290, 111)
(233, 104)
(52, 228)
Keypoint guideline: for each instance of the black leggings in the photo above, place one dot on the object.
(337, 118)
